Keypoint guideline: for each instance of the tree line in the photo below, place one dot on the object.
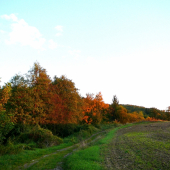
(35, 98)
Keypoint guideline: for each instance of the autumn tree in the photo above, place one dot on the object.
(30, 96)
(5, 94)
(6, 124)
(135, 116)
(70, 101)
(39, 84)
(94, 109)
(120, 114)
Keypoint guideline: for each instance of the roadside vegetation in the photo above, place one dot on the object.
(39, 115)
(49, 157)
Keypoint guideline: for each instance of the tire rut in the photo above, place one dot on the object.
(59, 165)
(126, 153)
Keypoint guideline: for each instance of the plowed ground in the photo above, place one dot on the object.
(143, 146)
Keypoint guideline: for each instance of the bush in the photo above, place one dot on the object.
(43, 137)
(30, 146)
(10, 148)
(83, 134)
(86, 131)
(6, 125)
(97, 126)
(89, 128)
(116, 123)
(63, 130)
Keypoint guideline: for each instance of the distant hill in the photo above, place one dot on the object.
(152, 112)
(134, 108)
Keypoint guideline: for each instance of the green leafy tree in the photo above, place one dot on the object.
(39, 83)
(20, 103)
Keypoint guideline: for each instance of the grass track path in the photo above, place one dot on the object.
(62, 153)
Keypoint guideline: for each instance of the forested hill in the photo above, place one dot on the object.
(134, 108)
(151, 112)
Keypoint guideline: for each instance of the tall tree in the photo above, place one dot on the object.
(30, 97)
(21, 102)
(5, 94)
(39, 83)
(6, 124)
(94, 108)
(70, 100)
(113, 107)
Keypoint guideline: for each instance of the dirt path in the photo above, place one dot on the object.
(73, 148)
(144, 146)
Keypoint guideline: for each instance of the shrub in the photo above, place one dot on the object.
(43, 137)
(30, 146)
(92, 129)
(10, 148)
(86, 131)
(97, 126)
(63, 130)
(116, 123)
(6, 125)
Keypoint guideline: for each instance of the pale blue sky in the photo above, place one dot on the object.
(118, 47)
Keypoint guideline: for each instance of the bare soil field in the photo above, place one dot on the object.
(143, 146)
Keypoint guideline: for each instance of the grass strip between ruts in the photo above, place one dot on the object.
(90, 158)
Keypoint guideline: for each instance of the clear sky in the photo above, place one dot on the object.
(118, 47)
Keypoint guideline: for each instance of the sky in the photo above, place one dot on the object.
(116, 47)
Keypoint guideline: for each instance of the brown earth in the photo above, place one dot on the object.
(143, 146)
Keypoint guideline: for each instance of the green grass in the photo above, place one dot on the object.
(51, 161)
(8, 162)
(90, 158)
(84, 159)
(111, 134)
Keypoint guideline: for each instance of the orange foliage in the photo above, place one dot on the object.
(94, 108)
(135, 117)
(151, 119)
